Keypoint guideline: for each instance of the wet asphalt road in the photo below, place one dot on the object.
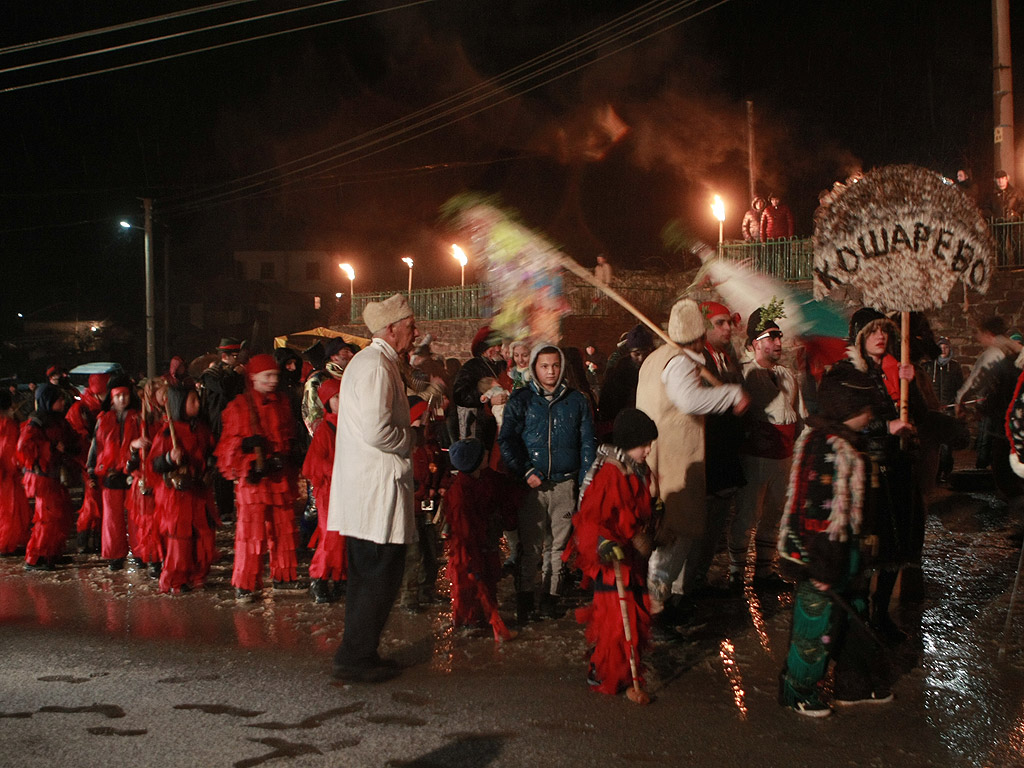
(100, 670)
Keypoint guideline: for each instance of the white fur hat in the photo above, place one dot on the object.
(378, 315)
(686, 323)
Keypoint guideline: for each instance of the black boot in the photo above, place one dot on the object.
(320, 591)
(524, 608)
(551, 607)
(94, 542)
(82, 542)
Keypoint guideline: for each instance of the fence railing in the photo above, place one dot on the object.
(450, 303)
(791, 260)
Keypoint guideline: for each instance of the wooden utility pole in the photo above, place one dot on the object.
(1002, 90)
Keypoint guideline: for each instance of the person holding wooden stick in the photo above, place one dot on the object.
(615, 527)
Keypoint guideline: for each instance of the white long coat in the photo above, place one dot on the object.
(372, 486)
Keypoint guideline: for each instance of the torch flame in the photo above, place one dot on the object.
(347, 269)
(718, 208)
(408, 261)
(459, 255)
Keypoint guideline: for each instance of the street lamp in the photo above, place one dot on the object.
(408, 262)
(718, 209)
(147, 207)
(351, 275)
(460, 256)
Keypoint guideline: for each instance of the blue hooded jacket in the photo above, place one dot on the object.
(550, 435)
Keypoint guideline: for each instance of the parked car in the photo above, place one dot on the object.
(80, 374)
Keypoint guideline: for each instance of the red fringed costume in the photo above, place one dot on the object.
(108, 462)
(15, 515)
(143, 536)
(45, 444)
(477, 510)
(82, 417)
(265, 515)
(329, 558)
(616, 506)
(184, 505)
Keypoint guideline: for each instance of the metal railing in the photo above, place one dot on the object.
(454, 303)
(791, 260)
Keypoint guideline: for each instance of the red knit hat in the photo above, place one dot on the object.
(327, 390)
(261, 363)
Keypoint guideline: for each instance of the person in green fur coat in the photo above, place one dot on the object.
(825, 542)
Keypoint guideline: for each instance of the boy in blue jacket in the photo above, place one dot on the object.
(546, 440)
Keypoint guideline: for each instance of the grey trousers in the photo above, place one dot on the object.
(545, 524)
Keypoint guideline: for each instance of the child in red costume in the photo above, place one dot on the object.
(327, 569)
(479, 505)
(255, 449)
(15, 515)
(116, 427)
(182, 499)
(614, 522)
(143, 537)
(45, 445)
(82, 417)
(429, 474)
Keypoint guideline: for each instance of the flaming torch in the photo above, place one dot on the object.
(408, 263)
(460, 256)
(718, 209)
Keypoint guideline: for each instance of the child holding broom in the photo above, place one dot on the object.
(612, 541)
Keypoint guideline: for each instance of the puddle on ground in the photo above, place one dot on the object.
(281, 748)
(220, 709)
(313, 721)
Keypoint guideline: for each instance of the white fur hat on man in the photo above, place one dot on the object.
(686, 323)
(378, 315)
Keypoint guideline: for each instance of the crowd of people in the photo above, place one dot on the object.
(619, 479)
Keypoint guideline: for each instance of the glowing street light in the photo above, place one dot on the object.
(350, 274)
(718, 209)
(408, 262)
(460, 256)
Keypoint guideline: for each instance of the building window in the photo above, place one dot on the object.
(312, 270)
(266, 270)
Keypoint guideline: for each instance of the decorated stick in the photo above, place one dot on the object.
(635, 694)
(904, 360)
(584, 274)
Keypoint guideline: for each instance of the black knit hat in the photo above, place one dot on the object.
(633, 428)
(861, 318)
(466, 455)
(845, 392)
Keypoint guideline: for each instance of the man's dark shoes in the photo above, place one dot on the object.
(116, 564)
(551, 607)
(376, 671)
(40, 565)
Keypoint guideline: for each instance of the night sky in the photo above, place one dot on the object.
(836, 87)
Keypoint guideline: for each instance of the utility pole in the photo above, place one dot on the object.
(1002, 90)
(147, 207)
(751, 168)
(167, 294)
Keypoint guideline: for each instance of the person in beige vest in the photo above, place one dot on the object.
(677, 391)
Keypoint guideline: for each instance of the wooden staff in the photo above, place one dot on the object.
(636, 694)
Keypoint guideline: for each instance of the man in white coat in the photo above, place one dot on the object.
(371, 502)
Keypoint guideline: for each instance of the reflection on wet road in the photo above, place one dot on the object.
(970, 705)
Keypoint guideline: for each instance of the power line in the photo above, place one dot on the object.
(171, 36)
(119, 27)
(396, 136)
(132, 65)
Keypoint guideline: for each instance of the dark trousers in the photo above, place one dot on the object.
(374, 578)
(224, 496)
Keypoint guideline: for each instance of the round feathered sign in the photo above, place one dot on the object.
(903, 236)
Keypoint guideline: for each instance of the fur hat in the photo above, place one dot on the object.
(686, 322)
(633, 428)
(328, 389)
(378, 315)
(261, 363)
(466, 455)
